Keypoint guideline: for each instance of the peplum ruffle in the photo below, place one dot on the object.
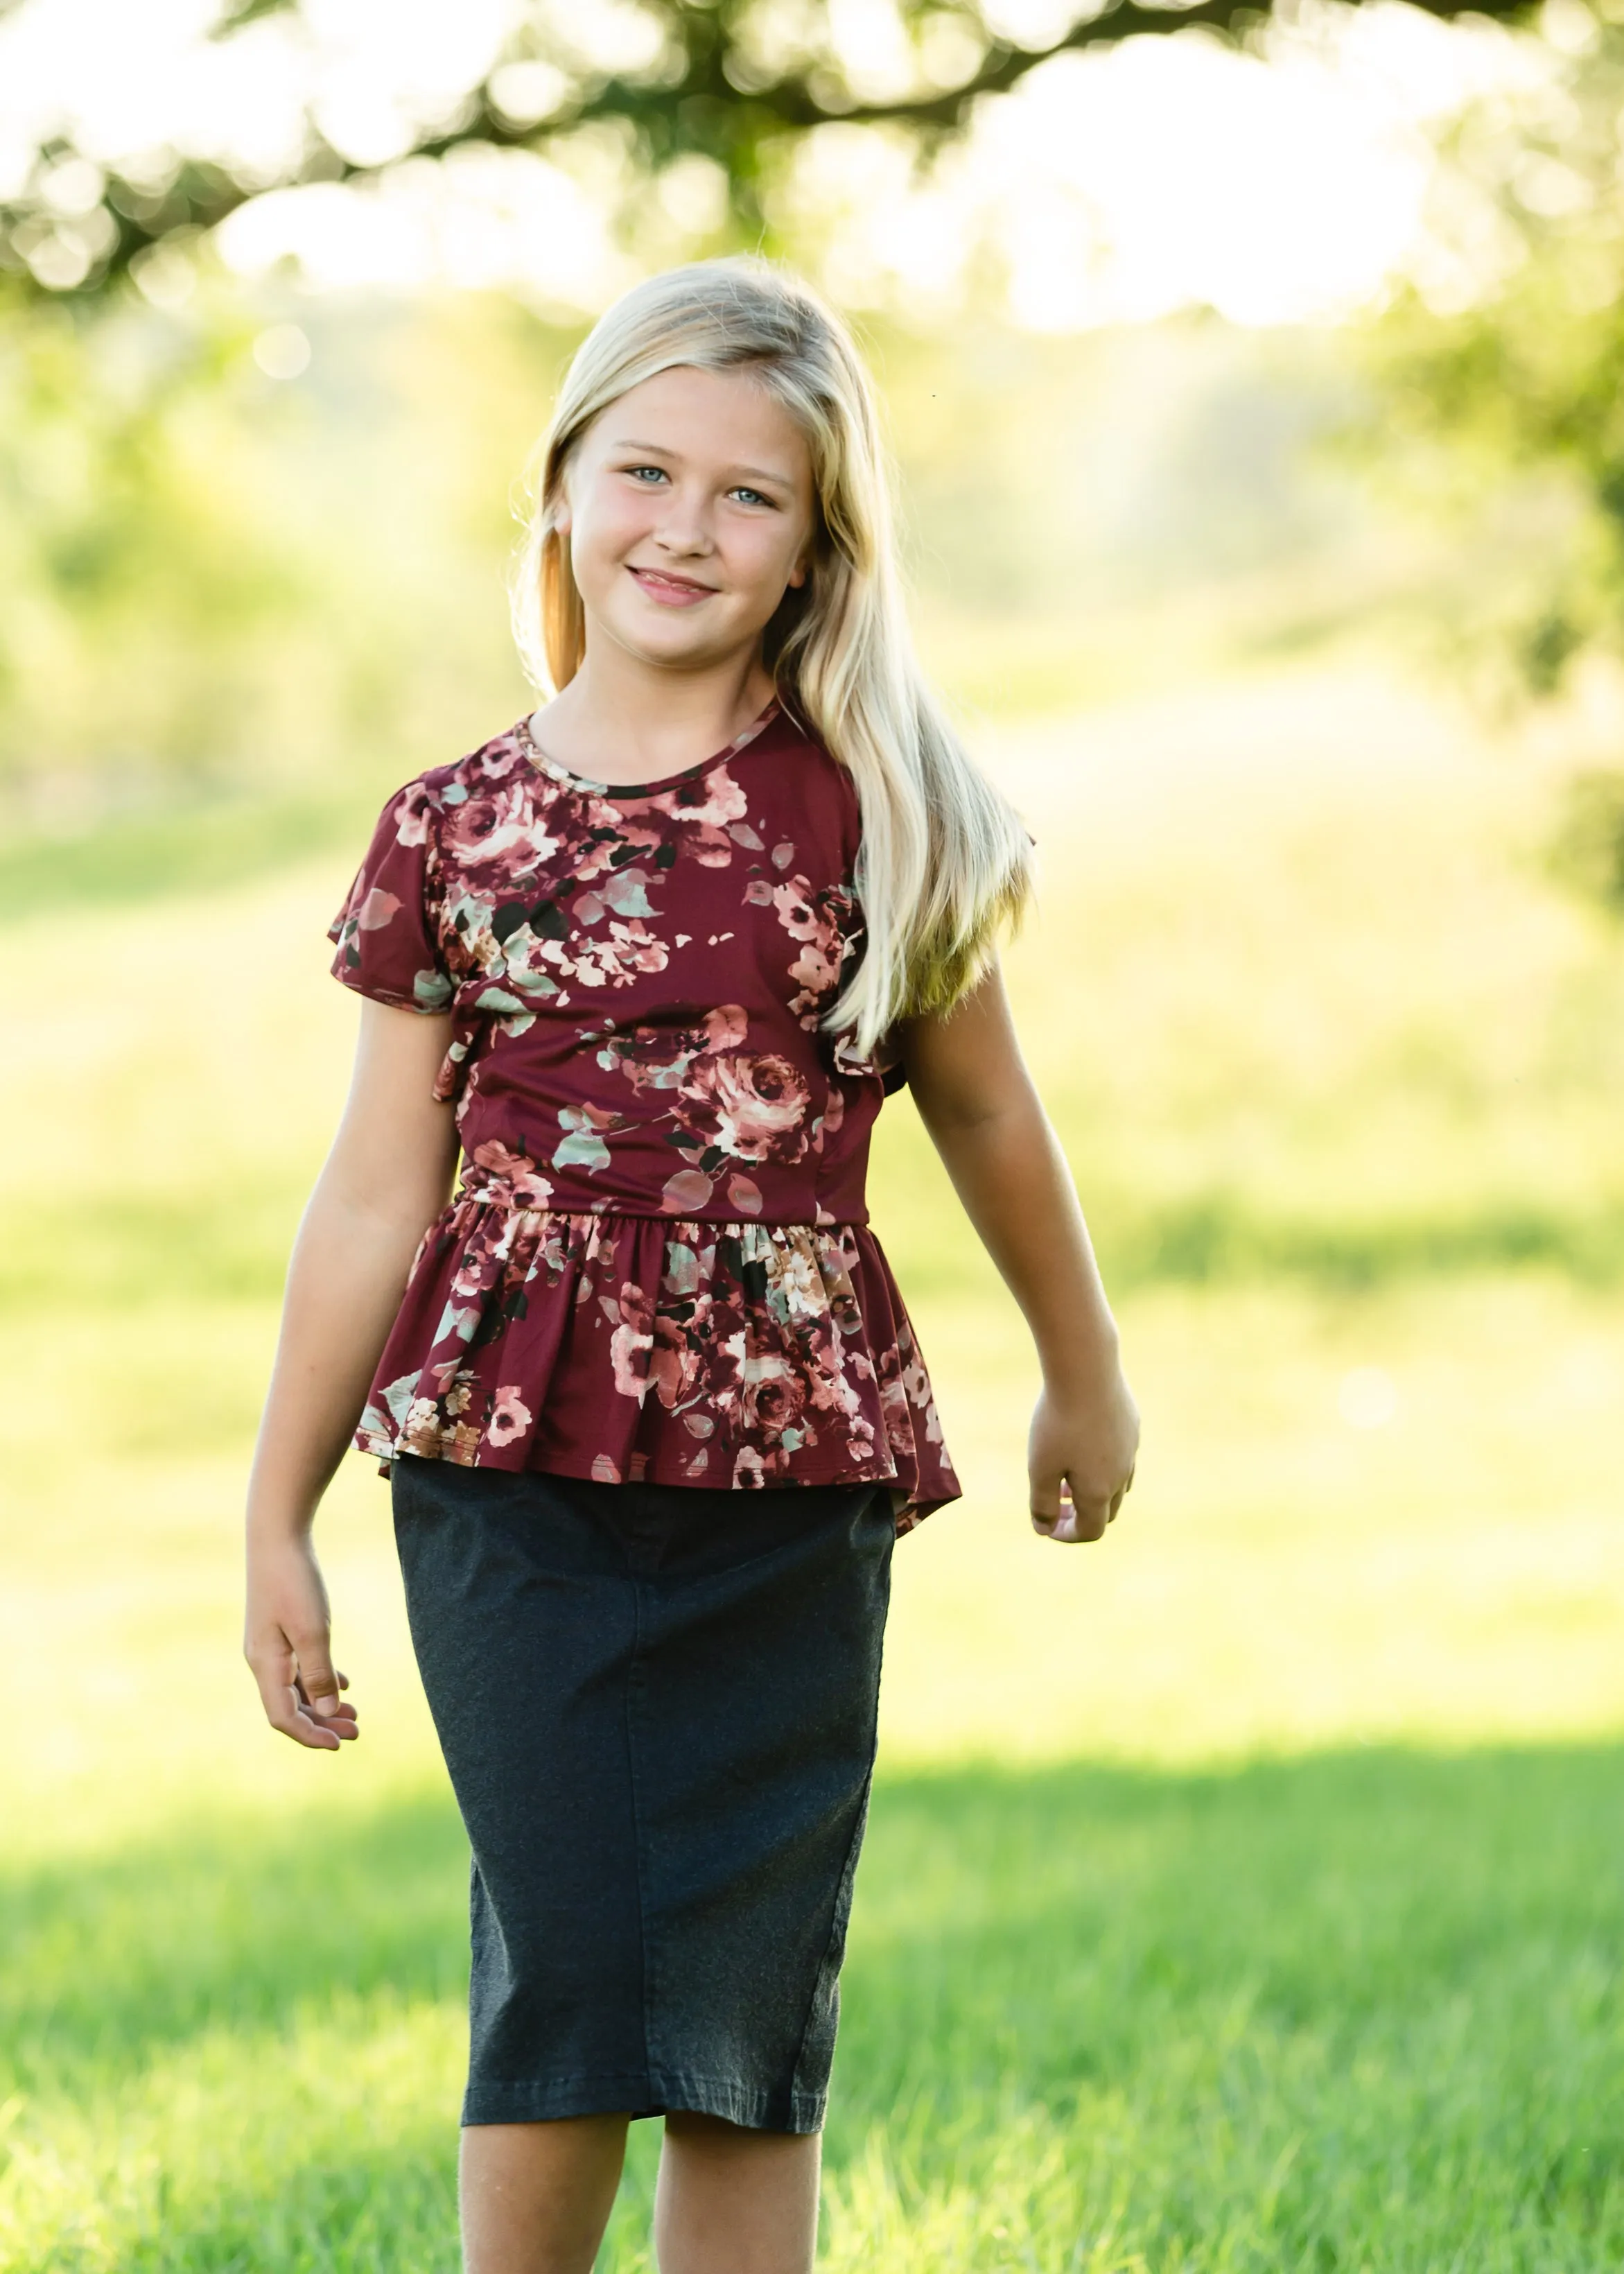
(629, 1348)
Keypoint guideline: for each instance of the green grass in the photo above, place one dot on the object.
(1354, 2011)
(1241, 1895)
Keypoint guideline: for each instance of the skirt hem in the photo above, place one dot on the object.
(658, 2092)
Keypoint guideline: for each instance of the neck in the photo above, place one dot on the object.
(619, 719)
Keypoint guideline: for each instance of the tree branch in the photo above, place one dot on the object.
(712, 102)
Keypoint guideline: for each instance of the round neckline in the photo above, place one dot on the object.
(552, 766)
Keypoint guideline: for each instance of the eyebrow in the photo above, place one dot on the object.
(664, 450)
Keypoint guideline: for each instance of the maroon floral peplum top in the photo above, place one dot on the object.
(658, 1263)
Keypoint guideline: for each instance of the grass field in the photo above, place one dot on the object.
(1246, 1895)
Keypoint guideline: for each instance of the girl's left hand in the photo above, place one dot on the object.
(1079, 1456)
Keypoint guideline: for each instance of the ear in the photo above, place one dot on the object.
(798, 575)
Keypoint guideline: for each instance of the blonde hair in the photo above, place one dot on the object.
(944, 862)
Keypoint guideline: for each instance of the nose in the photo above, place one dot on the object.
(685, 524)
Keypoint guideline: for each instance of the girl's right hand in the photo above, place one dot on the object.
(1081, 1456)
(286, 1642)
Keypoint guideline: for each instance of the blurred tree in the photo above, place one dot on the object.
(1507, 410)
(727, 83)
(122, 535)
(181, 532)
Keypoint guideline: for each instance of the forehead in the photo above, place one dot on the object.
(723, 417)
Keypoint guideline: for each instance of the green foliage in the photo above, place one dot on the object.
(263, 594)
(220, 584)
(1587, 849)
(726, 85)
(127, 532)
(1506, 416)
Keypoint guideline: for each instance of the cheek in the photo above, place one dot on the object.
(762, 554)
(606, 526)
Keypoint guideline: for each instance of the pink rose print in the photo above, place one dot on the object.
(797, 913)
(657, 1057)
(487, 828)
(615, 959)
(604, 832)
(412, 820)
(658, 1265)
(746, 1109)
(517, 1171)
(705, 809)
(630, 948)
(632, 1340)
(481, 1257)
(818, 922)
(674, 1363)
(376, 909)
(510, 1416)
(773, 1400)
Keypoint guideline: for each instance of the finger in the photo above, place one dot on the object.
(295, 1721)
(1090, 1520)
(1077, 1520)
(1051, 1500)
(343, 1718)
(288, 1713)
(286, 1703)
(317, 1679)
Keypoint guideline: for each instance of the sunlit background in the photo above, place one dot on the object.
(1245, 1893)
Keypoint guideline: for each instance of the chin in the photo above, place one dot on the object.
(673, 642)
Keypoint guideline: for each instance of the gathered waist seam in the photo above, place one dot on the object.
(660, 1216)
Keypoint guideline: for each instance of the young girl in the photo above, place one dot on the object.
(650, 1402)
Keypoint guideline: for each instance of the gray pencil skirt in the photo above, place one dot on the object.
(656, 1704)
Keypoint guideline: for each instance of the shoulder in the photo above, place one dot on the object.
(796, 767)
(413, 815)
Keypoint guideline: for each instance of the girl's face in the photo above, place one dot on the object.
(689, 509)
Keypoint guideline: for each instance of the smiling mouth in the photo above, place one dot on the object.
(660, 586)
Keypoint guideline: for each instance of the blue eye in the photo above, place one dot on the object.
(742, 492)
(635, 471)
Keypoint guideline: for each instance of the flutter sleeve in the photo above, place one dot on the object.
(387, 934)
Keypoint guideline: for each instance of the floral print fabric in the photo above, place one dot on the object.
(659, 1264)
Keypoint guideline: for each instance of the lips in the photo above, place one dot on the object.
(660, 586)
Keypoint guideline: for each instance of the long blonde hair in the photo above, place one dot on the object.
(943, 860)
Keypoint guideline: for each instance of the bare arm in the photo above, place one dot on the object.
(384, 1182)
(986, 1120)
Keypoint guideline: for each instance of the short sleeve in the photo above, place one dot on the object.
(385, 933)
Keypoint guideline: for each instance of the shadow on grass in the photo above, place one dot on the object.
(1363, 2008)
(226, 1926)
(1325, 1887)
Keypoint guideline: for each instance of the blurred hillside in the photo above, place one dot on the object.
(226, 584)
(1322, 1014)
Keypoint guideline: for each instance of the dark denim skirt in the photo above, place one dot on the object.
(656, 1704)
